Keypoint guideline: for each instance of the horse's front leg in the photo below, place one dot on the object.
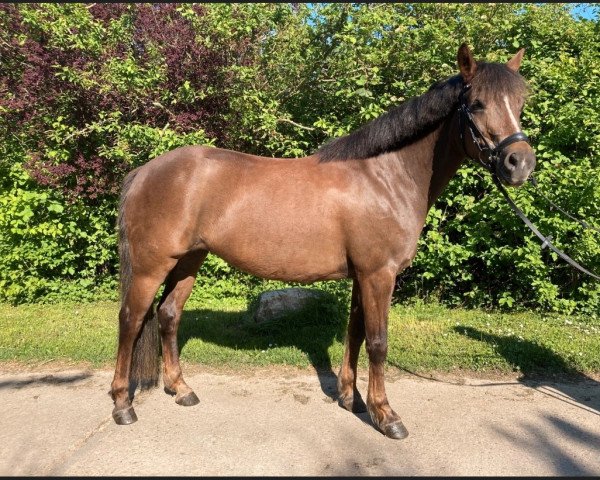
(376, 295)
(349, 398)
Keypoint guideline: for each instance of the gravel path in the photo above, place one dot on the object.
(280, 421)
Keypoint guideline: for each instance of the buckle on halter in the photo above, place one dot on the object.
(546, 241)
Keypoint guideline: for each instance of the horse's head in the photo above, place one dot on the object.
(491, 103)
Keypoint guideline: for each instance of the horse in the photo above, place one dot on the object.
(353, 209)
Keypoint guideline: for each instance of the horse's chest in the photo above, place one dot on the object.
(388, 236)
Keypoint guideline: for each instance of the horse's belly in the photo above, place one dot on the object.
(300, 260)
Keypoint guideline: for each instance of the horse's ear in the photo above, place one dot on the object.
(515, 62)
(466, 63)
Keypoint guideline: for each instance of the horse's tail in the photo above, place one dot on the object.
(145, 365)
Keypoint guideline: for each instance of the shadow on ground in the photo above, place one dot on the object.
(312, 330)
(542, 441)
(543, 369)
(550, 374)
(53, 379)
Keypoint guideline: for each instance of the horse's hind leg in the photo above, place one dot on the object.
(136, 303)
(178, 288)
(349, 397)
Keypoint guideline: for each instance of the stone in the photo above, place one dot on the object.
(275, 303)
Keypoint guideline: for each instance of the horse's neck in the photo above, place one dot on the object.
(426, 165)
(445, 159)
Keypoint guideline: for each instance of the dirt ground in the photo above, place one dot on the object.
(283, 421)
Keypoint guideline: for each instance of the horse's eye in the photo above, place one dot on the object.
(477, 105)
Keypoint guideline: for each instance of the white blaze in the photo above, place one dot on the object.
(510, 114)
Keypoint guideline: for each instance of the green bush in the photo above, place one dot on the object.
(89, 92)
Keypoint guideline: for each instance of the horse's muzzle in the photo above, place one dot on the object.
(515, 166)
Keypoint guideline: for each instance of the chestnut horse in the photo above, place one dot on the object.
(354, 209)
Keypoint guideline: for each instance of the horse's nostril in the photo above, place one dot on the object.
(511, 162)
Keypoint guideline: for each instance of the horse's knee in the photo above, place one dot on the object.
(377, 348)
(167, 314)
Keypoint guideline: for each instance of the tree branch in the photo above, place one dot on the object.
(287, 120)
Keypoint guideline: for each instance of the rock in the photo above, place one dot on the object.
(276, 303)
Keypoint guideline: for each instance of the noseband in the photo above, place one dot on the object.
(488, 155)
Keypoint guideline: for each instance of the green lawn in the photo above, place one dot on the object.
(422, 338)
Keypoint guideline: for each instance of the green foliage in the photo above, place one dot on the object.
(53, 249)
(280, 80)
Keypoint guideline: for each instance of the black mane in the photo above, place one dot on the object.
(405, 123)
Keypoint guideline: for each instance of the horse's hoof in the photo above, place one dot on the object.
(346, 402)
(354, 403)
(187, 400)
(125, 416)
(395, 430)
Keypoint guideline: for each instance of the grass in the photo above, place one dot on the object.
(422, 338)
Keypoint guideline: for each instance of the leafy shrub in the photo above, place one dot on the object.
(88, 92)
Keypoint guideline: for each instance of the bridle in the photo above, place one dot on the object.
(488, 156)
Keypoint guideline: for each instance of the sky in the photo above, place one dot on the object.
(585, 10)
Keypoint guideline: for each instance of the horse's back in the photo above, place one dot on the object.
(274, 217)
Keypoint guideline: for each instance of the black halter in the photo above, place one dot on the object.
(488, 155)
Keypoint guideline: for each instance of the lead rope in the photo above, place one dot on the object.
(545, 240)
(538, 191)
